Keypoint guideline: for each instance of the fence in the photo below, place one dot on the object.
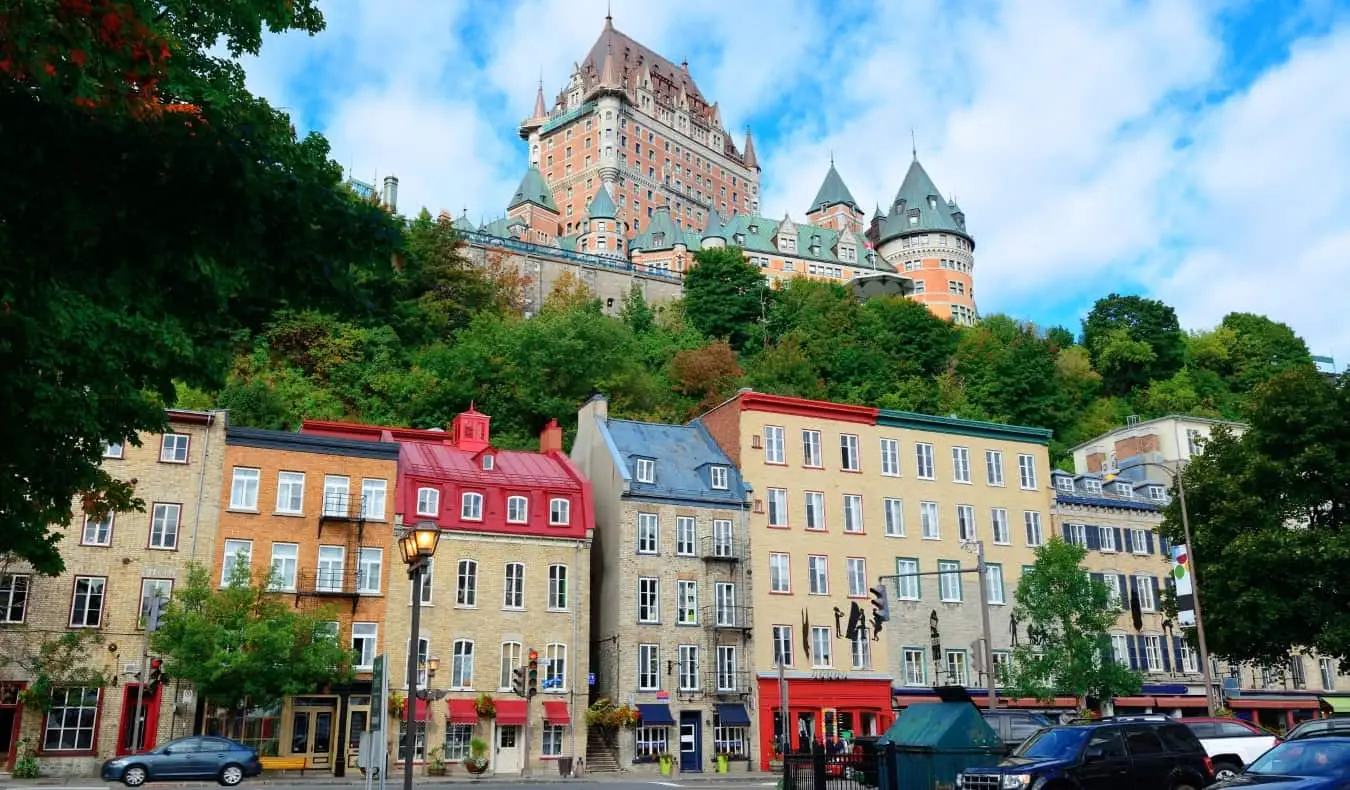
(818, 769)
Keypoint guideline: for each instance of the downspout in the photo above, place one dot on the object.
(192, 552)
(576, 613)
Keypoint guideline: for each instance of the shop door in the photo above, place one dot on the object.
(806, 730)
(312, 731)
(9, 733)
(358, 719)
(148, 721)
(509, 756)
(691, 741)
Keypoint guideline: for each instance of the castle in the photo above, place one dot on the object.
(632, 171)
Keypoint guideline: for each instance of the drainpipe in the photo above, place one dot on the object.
(192, 552)
(576, 613)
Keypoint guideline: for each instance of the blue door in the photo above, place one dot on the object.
(691, 741)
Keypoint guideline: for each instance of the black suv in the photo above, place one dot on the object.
(1316, 728)
(1015, 726)
(1145, 752)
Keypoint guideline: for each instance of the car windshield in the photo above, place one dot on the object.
(1304, 758)
(1060, 743)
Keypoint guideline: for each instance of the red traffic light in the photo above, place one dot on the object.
(534, 655)
(156, 664)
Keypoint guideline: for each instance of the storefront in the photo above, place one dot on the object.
(1275, 712)
(821, 710)
(11, 716)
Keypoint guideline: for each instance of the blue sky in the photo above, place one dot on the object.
(1197, 151)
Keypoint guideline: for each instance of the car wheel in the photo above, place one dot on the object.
(1226, 770)
(134, 776)
(231, 775)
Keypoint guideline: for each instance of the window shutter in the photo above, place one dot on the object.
(1148, 541)
(1125, 590)
(1120, 540)
(1065, 529)
(1164, 545)
(1128, 545)
(1176, 651)
(1134, 587)
(1094, 538)
(1134, 651)
(1157, 599)
(1162, 648)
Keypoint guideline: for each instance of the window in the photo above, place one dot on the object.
(648, 533)
(728, 739)
(1328, 670)
(857, 576)
(285, 561)
(649, 600)
(513, 592)
(890, 458)
(778, 513)
(332, 559)
(419, 741)
(817, 575)
(1092, 486)
(511, 653)
(651, 741)
(517, 510)
(685, 533)
(13, 597)
(908, 583)
(993, 467)
(423, 654)
(649, 678)
(244, 489)
(1145, 586)
(1140, 541)
(1107, 538)
(86, 605)
(998, 518)
(471, 506)
(724, 538)
(1026, 471)
(1120, 649)
(725, 604)
(557, 587)
(821, 641)
(924, 460)
(688, 667)
(913, 659)
(365, 644)
(815, 510)
(1064, 483)
(1194, 441)
(466, 584)
(461, 665)
(1115, 599)
(150, 590)
(727, 668)
(428, 502)
(369, 569)
(958, 668)
(559, 512)
(1186, 658)
(961, 464)
(853, 513)
(428, 576)
(928, 520)
(848, 452)
(336, 499)
(1075, 534)
(686, 602)
(112, 450)
(993, 575)
(373, 498)
(780, 581)
(489, 462)
(71, 720)
(949, 581)
(860, 645)
(1153, 653)
(965, 522)
(646, 470)
(895, 517)
(773, 445)
(1157, 493)
(238, 554)
(811, 448)
(457, 738)
(1124, 489)
(290, 492)
(782, 645)
(719, 477)
(97, 531)
(173, 448)
(1032, 519)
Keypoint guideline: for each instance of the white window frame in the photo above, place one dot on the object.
(58, 724)
(1076, 534)
(336, 495)
(644, 469)
(153, 588)
(811, 449)
(719, 477)
(374, 498)
(965, 523)
(773, 445)
(471, 506)
(170, 448)
(930, 519)
(908, 588)
(290, 493)
(848, 453)
(956, 671)
(815, 511)
(461, 665)
(860, 650)
(1152, 653)
(894, 510)
(687, 668)
(98, 533)
(555, 668)
(999, 528)
(234, 548)
(914, 662)
(1327, 668)
(648, 533)
(244, 484)
(686, 536)
(923, 461)
(1106, 539)
(95, 597)
(950, 589)
(331, 568)
(782, 645)
(993, 574)
(1092, 486)
(993, 468)
(513, 586)
(728, 668)
(559, 512)
(777, 507)
(960, 464)
(365, 644)
(428, 501)
(822, 639)
(817, 574)
(856, 571)
(517, 509)
(559, 596)
(686, 602)
(649, 671)
(1064, 483)
(648, 599)
(510, 655)
(890, 457)
(285, 566)
(1026, 471)
(14, 589)
(853, 513)
(780, 572)
(1144, 584)
(724, 538)
(1139, 541)
(1031, 522)
(370, 558)
(466, 584)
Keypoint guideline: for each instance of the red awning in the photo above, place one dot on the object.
(511, 711)
(462, 711)
(1179, 702)
(420, 710)
(1273, 704)
(555, 712)
(1133, 702)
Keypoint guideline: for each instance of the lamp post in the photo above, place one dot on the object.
(418, 544)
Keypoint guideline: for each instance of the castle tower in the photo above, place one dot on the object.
(602, 233)
(715, 235)
(834, 206)
(532, 209)
(924, 237)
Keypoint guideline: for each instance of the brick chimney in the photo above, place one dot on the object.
(551, 438)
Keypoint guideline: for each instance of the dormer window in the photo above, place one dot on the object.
(932, 202)
(1157, 493)
(428, 502)
(489, 462)
(719, 478)
(914, 216)
(471, 506)
(658, 239)
(646, 470)
(788, 244)
(1093, 486)
(753, 229)
(1124, 489)
(740, 239)
(1064, 484)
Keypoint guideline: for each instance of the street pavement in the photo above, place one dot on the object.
(741, 781)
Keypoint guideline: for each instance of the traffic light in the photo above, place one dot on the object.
(156, 674)
(532, 687)
(881, 608)
(518, 681)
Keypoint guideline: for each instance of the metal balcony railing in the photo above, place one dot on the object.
(731, 617)
(728, 683)
(721, 548)
(339, 506)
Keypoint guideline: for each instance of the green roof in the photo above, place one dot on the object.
(754, 233)
(463, 223)
(714, 229)
(602, 205)
(663, 234)
(532, 189)
(833, 192)
(919, 207)
(961, 427)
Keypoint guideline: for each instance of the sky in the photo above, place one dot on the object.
(1194, 151)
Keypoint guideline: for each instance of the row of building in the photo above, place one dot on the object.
(681, 570)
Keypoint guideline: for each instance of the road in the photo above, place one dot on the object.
(711, 782)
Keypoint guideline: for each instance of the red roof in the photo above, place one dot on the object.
(511, 467)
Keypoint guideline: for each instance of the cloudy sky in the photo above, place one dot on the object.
(1197, 151)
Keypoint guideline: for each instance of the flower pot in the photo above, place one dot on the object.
(476, 766)
(666, 765)
(435, 770)
(722, 763)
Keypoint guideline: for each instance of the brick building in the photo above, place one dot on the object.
(114, 565)
(508, 577)
(671, 618)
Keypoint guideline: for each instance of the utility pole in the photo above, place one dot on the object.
(784, 736)
(139, 719)
(982, 570)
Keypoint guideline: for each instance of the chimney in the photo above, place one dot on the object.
(551, 438)
(597, 408)
(391, 192)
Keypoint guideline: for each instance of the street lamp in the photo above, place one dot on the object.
(418, 544)
(1175, 472)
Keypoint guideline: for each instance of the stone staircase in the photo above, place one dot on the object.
(602, 757)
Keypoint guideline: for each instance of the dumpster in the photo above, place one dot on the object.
(931, 742)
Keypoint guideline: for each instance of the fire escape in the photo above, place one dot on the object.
(338, 575)
(728, 618)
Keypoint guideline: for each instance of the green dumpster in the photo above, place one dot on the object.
(931, 742)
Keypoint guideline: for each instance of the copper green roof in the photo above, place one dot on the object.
(602, 205)
(532, 189)
(463, 223)
(663, 234)
(962, 427)
(754, 233)
(714, 229)
(920, 208)
(833, 192)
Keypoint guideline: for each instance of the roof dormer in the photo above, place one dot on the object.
(470, 430)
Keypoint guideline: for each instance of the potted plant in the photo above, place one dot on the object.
(723, 758)
(667, 762)
(436, 761)
(485, 705)
(396, 702)
(477, 762)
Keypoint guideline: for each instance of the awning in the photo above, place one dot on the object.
(732, 714)
(1258, 703)
(1336, 704)
(656, 715)
(419, 710)
(555, 712)
(462, 711)
(511, 711)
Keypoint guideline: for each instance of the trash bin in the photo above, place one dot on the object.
(564, 766)
(931, 742)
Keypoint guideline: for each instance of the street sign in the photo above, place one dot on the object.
(590, 678)
(377, 702)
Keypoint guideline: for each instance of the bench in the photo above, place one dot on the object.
(296, 763)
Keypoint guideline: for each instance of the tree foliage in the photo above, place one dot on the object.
(1133, 340)
(52, 661)
(725, 293)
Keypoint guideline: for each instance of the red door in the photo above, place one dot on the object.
(11, 717)
(149, 724)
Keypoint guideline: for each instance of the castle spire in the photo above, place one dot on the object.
(609, 16)
(750, 159)
(539, 110)
(833, 192)
(607, 76)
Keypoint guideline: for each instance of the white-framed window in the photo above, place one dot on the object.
(1076, 534)
(1124, 489)
(894, 511)
(890, 458)
(773, 445)
(1120, 649)
(1139, 541)
(1114, 595)
(1107, 538)
(513, 590)
(285, 563)
(369, 571)
(648, 533)
(428, 502)
(817, 574)
(97, 531)
(1186, 658)
(374, 498)
(949, 581)
(86, 604)
(457, 740)
(290, 492)
(559, 512)
(557, 587)
(686, 602)
(428, 576)
(993, 467)
(811, 448)
(923, 455)
(815, 510)
(848, 453)
(72, 719)
(993, 574)
(724, 538)
(853, 513)
(1032, 520)
(150, 590)
(958, 667)
(724, 598)
(821, 642)
(173, 448)
(1326, 666)
(332, 562)
(511, 653)
(461, 665)
(517, 510)
(646, 470)
(908, 584)
(1145, 585)
(719, 477)
(778, 507)
(1157, 493)
(14, 597)
(780, 577)
(1153, 653)
(649, 599)
(649, 675)
(928, 520)
(336, 495)
(965, 522)
(686, 533)
(1092, 486)
(914, 666)
(728, 666)
(555, 667)
(1064, 483)
(471, 506)
(961, 464)
(857, 576)
(113, 449)
(651, 741)
(860, 648)
(782, 645)
(1194, 442)
(365, 644)
(237, 552)
(728, 739)
(688, 669)
(466, 583)
(244, 489)
(1026, 471)
(998, 521)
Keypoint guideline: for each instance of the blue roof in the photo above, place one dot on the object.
(684, 455)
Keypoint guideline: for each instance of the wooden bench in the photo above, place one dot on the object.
(297, 763)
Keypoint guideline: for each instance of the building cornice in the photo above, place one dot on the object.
(961, 427)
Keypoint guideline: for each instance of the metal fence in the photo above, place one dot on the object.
(819, 769)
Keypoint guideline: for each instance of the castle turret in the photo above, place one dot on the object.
(533, 205)
(602, 233)
(714, 235)
(834, 206)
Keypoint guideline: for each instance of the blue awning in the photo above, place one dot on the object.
(732, 714)
(656, 715)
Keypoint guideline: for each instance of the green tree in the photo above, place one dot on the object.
(245, 642)
(1133, 340)
(1068, 612)
(637, 315)
(437, 290)
(1261, 349)
(1011, 373)
(725, 296)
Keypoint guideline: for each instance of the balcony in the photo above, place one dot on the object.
(718, 548)
(329, 583)
(341, 506)
(734, 683)
(736, 618)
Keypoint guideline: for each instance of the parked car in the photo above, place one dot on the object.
(1321, 763)
(194, 757)
(1232, 744)
(1317, 728)
(1015, 726)
(1105, 754)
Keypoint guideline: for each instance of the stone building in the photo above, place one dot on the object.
(114, 566)
(671, 618)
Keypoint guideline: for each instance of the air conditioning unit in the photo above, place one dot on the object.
(755, 442)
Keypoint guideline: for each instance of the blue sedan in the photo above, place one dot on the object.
(194, 757)
(1312, 764)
